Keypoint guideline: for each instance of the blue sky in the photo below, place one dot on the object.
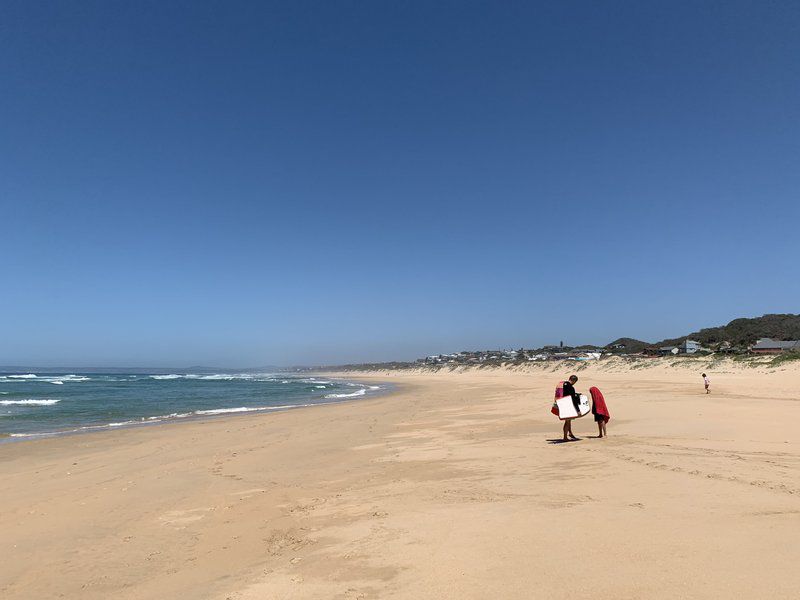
(237, 183)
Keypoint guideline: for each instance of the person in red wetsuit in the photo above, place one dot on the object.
(600, 411)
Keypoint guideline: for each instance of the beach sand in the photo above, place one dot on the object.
(451, 487)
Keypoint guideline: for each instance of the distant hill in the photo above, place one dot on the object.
(743, 332)
(628, 345)
(739, 332)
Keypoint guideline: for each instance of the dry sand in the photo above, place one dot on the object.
(449, 488)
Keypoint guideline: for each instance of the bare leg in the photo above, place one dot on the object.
(604, 429)
(599, 429)
(571, 435)
(566, 429)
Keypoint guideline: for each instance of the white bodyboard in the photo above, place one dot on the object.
(566, 409)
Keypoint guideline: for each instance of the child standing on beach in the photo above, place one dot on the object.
(600, 411)
(707, 382)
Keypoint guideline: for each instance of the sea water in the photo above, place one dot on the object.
(37, 404)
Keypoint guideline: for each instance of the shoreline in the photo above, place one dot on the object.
(448, 486)
(188, 417)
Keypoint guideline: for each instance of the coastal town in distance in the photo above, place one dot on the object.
(774, 335)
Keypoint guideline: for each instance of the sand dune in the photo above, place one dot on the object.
(451, 487)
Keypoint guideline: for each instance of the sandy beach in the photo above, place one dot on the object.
(450, 487)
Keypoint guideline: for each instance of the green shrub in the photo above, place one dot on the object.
(785, 357)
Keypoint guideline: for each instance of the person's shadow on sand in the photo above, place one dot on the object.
(561, 441)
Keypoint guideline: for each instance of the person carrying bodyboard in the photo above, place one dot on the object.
(564, 389)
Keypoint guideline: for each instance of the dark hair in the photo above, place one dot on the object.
(573, 378)
(704, 374)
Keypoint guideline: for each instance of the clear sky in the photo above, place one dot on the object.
(251, 183)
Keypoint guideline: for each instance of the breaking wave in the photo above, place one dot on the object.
(29, 402)
(355, 394)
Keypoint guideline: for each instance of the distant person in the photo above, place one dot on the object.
(600, 411)
(569, 390)
(706, 382)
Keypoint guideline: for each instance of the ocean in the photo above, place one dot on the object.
(37, 404)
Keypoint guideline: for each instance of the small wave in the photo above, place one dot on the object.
(169, 416)
(218, 377)
(360, 392)
(221, 377)
(29, 402)
(54, 433)
(220, 411)
(57, 379)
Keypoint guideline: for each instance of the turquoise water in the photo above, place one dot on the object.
(36, 404)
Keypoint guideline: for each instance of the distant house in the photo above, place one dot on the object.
(689, 347)
(770, 346)
(668, 350)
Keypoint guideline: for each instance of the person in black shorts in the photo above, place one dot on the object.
(569, 390)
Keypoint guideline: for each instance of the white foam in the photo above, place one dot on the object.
(360, 392)
(57, 379)
(169, 416)
(57, 382)
(219, 377)
(220, 411)
(29, 402)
